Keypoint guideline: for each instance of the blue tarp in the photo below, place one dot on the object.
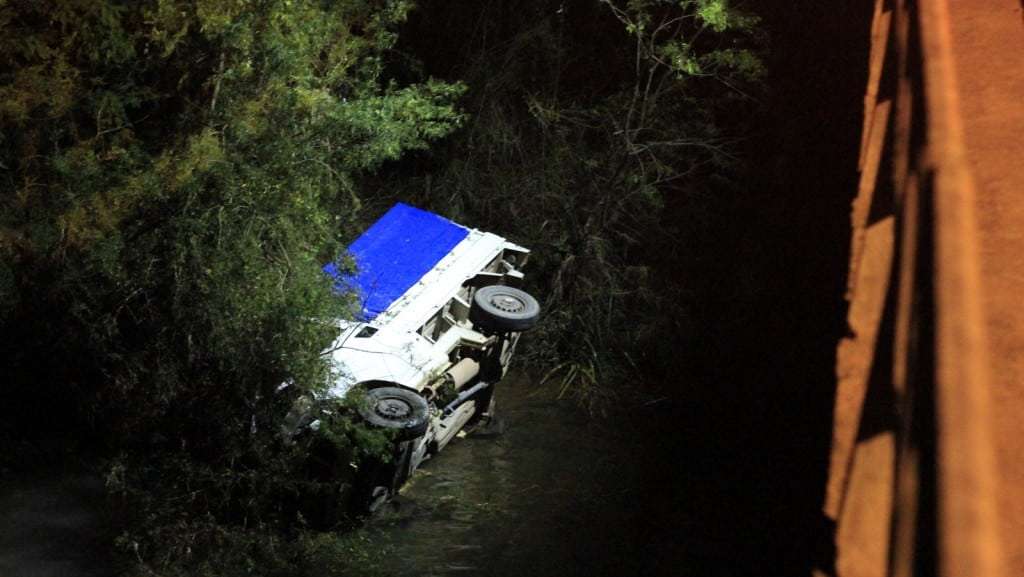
(394, 253)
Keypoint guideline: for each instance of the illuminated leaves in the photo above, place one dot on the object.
(174, 173)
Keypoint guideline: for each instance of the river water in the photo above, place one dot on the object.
(556, 493)
(50, 527)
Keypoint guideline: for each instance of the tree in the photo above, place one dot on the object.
(173, 175)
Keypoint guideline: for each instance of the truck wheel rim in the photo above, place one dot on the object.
(392, 408)
(507, 303)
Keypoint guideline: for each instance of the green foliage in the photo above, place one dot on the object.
(592, 124)
(264, 514)
(330, 555)
(173, 175)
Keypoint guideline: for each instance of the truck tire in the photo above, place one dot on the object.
(396, 408)
(502, 308)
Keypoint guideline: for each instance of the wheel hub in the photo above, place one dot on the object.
(392, 408)
(508, 303)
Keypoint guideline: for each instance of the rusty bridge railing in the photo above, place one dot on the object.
(913, 477)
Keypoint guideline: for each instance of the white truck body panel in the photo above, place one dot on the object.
(396, 352)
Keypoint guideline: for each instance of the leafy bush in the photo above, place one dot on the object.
(173, 175)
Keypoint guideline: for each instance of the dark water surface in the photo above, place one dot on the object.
(555, 494)
(50, 526)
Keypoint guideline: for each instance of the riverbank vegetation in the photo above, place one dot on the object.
(603, 135)
(174, 174)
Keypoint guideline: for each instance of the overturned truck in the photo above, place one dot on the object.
(440, 316)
